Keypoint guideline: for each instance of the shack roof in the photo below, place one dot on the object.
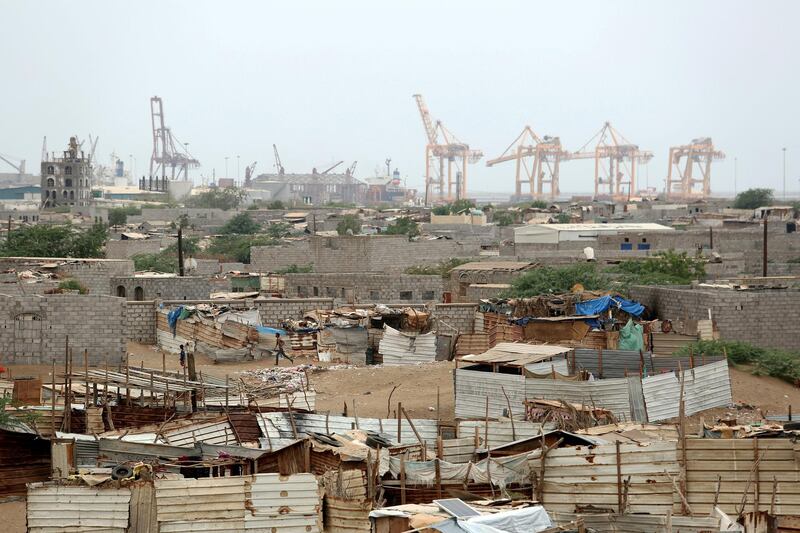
(517, 354)
(505, 266)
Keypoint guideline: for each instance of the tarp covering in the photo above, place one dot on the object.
(526, 520)
(599, 305)
(630, 337)
(501, 471)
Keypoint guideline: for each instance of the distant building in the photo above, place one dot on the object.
(385, 189)
(557, 233)
(312, 189)
(67, 180)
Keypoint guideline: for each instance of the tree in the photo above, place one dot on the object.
(183, 221)
(753, 198)
(539, 204)
(216, 198)
(55, 241)
(279, 230)
(160, 262)
(441, 210)
(461, 205)
(563, 218)
(557, 280)
(276, 204)
(504, 218)
(350, 224)
(241, 224)
(117, 216)
(403, 226)
(237, 247)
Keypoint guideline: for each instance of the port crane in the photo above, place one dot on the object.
(682, 182)
(444, 147)
(616, 162)
(537, 164)
(167, 149)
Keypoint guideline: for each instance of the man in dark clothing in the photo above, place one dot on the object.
(279, 351)
(183, 357)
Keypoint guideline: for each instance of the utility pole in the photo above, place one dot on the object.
(764, 248)
(784, 173)
(180, 249)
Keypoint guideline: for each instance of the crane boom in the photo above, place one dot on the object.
(427, 122)
(278, 164)
(19, 167)
(330, 168)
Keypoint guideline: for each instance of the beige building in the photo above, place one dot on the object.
(67, 180)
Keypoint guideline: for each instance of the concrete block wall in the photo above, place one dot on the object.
(128, 248)
(366, 287)
(360, 253)
(33, 329)
(165, 288)
(763, 318)
(140, 322)
(460, 316)
(274, 311)
(273, 258)
(92, 273)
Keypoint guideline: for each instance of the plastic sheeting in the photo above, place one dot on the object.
(599, 305)
(630, 337)
(526, 520)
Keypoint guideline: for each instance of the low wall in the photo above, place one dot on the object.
(366, 287)
(274, 311)
(140, 322)
(759, 317)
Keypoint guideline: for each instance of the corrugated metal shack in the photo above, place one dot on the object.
(24, 458)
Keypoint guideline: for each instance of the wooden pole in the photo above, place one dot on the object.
(399, 422)
(53, 403)
(65, 418)
(620, 508)
(127, 378)
(355, 413)
(227, 381)
(510, 414)
(403, 479)
(438, 474)
(486, 426)
(163, 362)
(86, 383)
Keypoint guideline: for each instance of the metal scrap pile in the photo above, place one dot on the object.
(275, 381)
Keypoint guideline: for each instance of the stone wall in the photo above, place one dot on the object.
(763, 318)
(140, 322)
(274, 311)
(460, 316)
(366, 287)
(360, 253)
(162, 288)
(34, 329)
(128, 248)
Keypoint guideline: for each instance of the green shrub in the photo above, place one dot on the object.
(73, 285)
(441, 268)
(349, 222)
(296, 269)
(403, 226)
(754, 198)
(764, 361)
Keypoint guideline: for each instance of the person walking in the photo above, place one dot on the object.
(279, 349)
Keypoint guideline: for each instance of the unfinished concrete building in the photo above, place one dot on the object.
(67, 180)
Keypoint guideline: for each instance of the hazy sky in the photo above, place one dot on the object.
(331, 80)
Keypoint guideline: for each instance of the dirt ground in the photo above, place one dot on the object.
(418, 385)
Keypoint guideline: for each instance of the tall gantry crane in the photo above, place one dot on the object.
(615, 162)
(681, 180)
(538, 161)
(167, 150)
(443, 147)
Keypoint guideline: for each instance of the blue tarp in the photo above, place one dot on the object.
(602, 304)
(270, 331)
(172, 318)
